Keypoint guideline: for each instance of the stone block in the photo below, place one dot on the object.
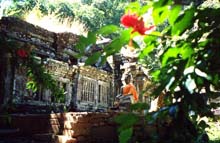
(54, 122)
(55, 129)
(81, 129)
(68, 133)
(64, 139)
(68, 124)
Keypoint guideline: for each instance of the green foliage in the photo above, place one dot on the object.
(186, 66)
(64, 11)
(38, 77)
(106, 30)
(126, 122)
(36, 73)
(125, 135)
(140, 106)
(186, 48)
(93, 13)
(183, 21)
(114, 46)
(93, 58)
(19, 8)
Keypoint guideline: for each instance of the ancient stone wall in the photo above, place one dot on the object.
(50, 49)
(94, 89)
(80, 127)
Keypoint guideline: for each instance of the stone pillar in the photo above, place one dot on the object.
(8, 76)
(113, 88)
(78, 87)
(116, 75)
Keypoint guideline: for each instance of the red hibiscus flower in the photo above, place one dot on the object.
(22, 53)
(137, 23)
(129, 20)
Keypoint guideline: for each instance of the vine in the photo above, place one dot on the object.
(36, 73)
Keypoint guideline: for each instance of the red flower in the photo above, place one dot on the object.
(132, 20)
(129, 20)
(22, 53)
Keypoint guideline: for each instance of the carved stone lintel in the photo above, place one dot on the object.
(95, 73)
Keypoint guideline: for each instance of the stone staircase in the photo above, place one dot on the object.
(71, 127)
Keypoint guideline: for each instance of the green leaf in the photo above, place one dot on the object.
(161, 11)
(93, 58)
(155, 34)
(125, 135)
(145, 8)
(113, 47)
(160, 14)
(106, 30)
(126, 120)
(174, 13)
(203, 43)
(170, 53)
(139, 106)
(148, 49)
(183, 22)
(86, 41)
(186, 51)
(117, 43)
(125, 36)
(199, 81)
(31, 85)
(91, 38)
(82, 43)
(156, 75)
(135, 44)
(161, 3)
(103, 60)
(133, 7)
(149, 39)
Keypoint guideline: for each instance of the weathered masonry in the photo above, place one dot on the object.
(85, 87)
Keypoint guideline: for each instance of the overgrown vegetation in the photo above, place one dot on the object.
(36, 74)
(38, 77)
(186, 43)
(189, 70)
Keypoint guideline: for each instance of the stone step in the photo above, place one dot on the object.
(68, 124)
(46, 137)
(68, 132)
(64, 139)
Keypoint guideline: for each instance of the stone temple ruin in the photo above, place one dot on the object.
(86, 87)
(91, 89)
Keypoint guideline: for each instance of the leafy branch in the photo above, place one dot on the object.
(38, 77)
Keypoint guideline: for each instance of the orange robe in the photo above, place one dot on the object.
(130, 89)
